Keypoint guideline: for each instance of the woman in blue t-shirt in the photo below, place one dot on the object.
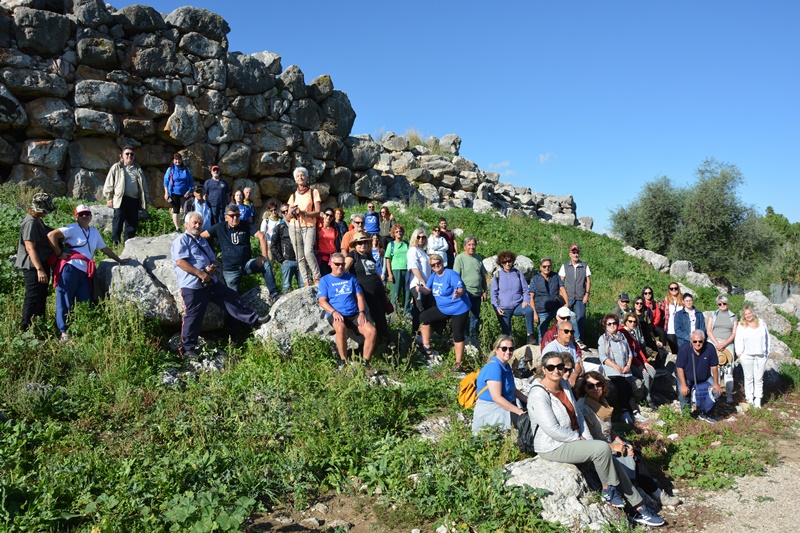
(452, 303)
(496, 399)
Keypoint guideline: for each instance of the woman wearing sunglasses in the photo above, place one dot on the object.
(452, 304)
(496, 390)
(641, 369)
(617, 359)
(672, 303)
(656, 317)
(511, 296)
(563, 437)
(593, 403)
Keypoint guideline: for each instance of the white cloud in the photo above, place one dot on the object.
(545, 158)
(503, 168)
(502, 164)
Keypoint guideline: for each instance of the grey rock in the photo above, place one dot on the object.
(419, 175)
(94, 154)
(150, 106)
(211, 73)
(87, 185)
(450, 143)
(97, 52)
(558, 204)
(404, 192)
(305, 114)
(314, 166)
(132, 283)
(465, 165)
(47, 179)
(438, 165)
(679, 269)
(152, 55)
(12, 114)
(164, 88)
(320, 88)
(250, 108)
(586, 223)
(404, 162)
(765, 311)
(8, 154)
(293, 80)
(791, 305)
(40, 32)
(188, 19)
(363, 153)
(450, 181)
(370, 186)
(140, 19)
(384, 164)
(91, 13)
(564, 219)
(268, 141)
(482, 206)
(339, 114)
(321, 144)
(492, 177)
(270, 163)
(138, 128)
(339, 179)
(429, 193)
(29, 83)
(236, 161)
(277, 187)
(394, 143)
(248, 74)
(103, 94)
(12, 57)
(271, 60)
(296, 313)
(45, 153)
(346, 200)
(91, 122)
(184, 125)
(200, 45)
(212, 101)
(225, 130)
(696, 278)
(657, 261)
(566, 493)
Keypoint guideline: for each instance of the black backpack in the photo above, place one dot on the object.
(526, 432)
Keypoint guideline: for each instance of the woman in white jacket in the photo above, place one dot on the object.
(563, 437)
(752, 348)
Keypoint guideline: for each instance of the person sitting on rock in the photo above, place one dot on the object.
(562, 315)
(497, 392)
(564, 343)
(687, 320)
(564, 437)
(196, 269)
(697, 367)
(641, 369)
(283, 251)
(593, 403)
(623, 305)
(343, 302)
(233, 235)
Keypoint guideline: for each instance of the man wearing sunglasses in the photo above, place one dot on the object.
(340, 296)
(577, 279)
(233, 235)
(564, 343)
(283, 250)
(546, 288)
(697, 367)
(358, 227)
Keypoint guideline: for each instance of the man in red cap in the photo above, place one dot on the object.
(218, 195)
(577, 279)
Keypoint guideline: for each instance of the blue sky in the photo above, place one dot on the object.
(585, 98)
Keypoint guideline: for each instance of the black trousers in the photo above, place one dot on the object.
(128, 214)
(35, 303)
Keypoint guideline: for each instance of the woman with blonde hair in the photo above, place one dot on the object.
(670, 306)
(418, 270)
(752, 348)
(496, 402)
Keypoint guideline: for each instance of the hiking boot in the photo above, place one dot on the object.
(707, 418)
(262, 320)
(612, 497)
(427, 351)
(533, 340)
(457, 367)
(647, 517)
(666, 499)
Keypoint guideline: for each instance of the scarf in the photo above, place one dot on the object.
(619, 338)
(603, 410)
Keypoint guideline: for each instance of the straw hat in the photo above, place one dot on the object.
(360, 237)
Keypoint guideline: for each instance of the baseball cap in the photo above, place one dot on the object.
(82, 208)
(574, 248)
(624, 297)
(563, 312)
(215, 167)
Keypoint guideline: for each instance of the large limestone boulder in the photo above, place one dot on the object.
(184, 126)
(791, 305)
(293, 80)
(699, 279)
(450, 143)
(40, 32)
(296, 313)
(248, 74)
(339, 115)
(189, 19)
(370, 186)
(305, 114)
(97, 52)
(568, 499)
(47, 179)
(765, 311)
(45, 153)
(86, 185)
(95, 154)
(679, 269)
(49, 117)
(91, 13)
(200, 45)
(29, 83)
(321, 88)
(103, 94)
(140, 19)
(364, 153)
(92, 122)
(522, 263)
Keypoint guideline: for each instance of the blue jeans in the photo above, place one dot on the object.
(474, 314)
(544, 322)
(579, 322)
(73, 286)
(234, 277)
(505, 320)
(289, 270)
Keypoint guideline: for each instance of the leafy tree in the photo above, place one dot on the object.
(651, 220)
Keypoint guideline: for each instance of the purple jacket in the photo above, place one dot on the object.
(509, 289)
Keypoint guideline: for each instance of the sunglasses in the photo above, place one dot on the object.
(357, 223)
(370, 207)
(547, 266)
(422, 237)
(338, 264)
(552, 368)
(234, 215)
(84, 214)
(673, 288)
(593, 386)
(697, 342)
(284, 211)
(575, 252)
(128, 154)
(630, 322)
(436, 264)
(568, 370)
(647, 293)
(722, 303)
(638, 303)
(509, 262)
(505, 348)
(328, 214)
(608, 324)
(568, 331)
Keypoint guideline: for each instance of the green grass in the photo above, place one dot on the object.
(95, 442)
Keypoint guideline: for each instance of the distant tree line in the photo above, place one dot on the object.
(709, 224)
